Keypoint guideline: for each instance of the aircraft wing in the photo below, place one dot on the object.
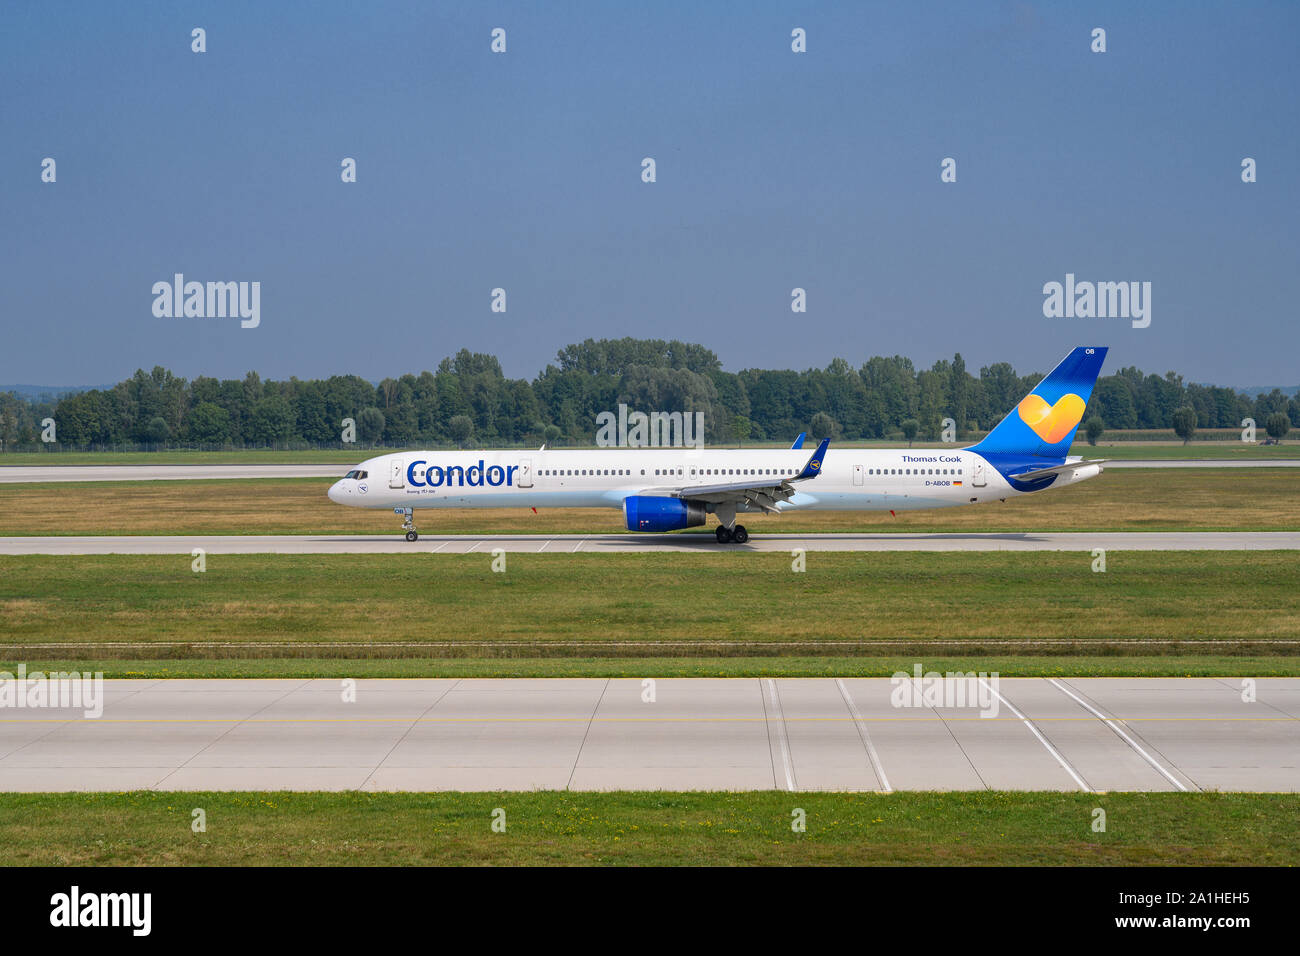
(762, 491)
(1055, 469)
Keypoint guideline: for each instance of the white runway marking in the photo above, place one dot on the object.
(1123, 736)
(782, 736)
(866, 737)
(1041, 739)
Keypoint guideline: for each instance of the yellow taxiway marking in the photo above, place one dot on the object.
(587, 718)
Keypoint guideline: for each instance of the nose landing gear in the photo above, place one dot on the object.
(408, 523)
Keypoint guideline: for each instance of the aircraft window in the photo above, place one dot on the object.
(643, 471)
(656, 471)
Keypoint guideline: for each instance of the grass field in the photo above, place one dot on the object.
(716, 604)
(657, 828)
(1224, 499)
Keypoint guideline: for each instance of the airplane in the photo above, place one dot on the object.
(671, 489)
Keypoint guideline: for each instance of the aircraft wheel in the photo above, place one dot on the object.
(724, 536)
(412, 535)
(740, 535)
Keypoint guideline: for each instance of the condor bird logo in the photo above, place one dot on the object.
(1051, 423)
(814, 464)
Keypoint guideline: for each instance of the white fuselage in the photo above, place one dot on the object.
(851, 479)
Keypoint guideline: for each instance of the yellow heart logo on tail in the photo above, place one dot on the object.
(1051, 423)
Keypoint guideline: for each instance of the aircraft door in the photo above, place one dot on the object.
(397, 473)
(524, 479)
(857, 474)
(977, 475)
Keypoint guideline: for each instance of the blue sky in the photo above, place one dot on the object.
(775, 170)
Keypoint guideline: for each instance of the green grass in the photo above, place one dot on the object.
(1005, 665)
(717, 604)
(1223, 499)
(648, 829)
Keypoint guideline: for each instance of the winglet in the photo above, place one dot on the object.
(814, 466)
(798, 442)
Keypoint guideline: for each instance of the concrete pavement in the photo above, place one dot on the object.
(597, 734)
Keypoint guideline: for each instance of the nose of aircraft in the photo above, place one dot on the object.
(337, 492)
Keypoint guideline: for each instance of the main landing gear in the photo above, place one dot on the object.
(408, 523)
(736, 535)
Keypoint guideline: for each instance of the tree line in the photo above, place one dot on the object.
(468, 399)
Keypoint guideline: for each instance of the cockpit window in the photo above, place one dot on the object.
(357, 474)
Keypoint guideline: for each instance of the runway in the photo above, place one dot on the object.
(1084, 734)
(16, 474)
(641, 543)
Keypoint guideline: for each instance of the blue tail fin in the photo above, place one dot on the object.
(1044, 423)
